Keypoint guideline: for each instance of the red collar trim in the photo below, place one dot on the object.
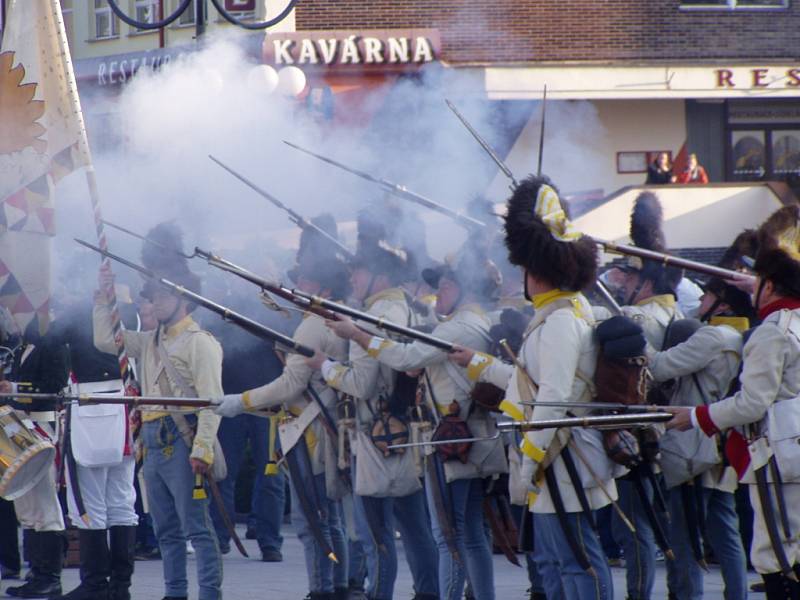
(787, 303)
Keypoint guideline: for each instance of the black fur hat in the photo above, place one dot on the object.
(313, 244)
(162, 249)
(564, 259)
(647, 220)
(778, 258)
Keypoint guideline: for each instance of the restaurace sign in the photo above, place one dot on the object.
(384, 47)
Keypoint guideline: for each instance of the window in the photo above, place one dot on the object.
(106, 24)
(146, 12)
(243, 9)
(187, 16)
(735, 4)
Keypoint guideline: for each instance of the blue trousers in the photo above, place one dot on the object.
(465, 498)
(406, 515)
(176, 514)
(268, 498)
(562, 575)
(685, 576)
(639, 549)
(324, 576)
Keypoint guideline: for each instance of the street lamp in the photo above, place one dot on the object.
(200, 17)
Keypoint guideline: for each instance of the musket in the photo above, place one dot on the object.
(145, 239)
(134, 401)
(294, 216)
(484, 144)
(399, 190)
(253, 327)
(669, 260)
(649, 408)
(327, 309)
(541, 131)
(595, 422)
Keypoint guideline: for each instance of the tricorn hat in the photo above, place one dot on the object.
(541, 239)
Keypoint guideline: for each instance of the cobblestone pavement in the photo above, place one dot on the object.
(249, 579)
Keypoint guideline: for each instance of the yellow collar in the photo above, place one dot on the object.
(542, 300)
(178, 328)
(740, 324)
(665, 300)
(394, 293)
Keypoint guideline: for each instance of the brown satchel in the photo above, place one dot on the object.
(453, 427)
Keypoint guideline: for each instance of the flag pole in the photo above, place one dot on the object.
(126, 371)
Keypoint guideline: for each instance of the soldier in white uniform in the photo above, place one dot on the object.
(102, 450)
(464, 289)
(556, 364)
(178, 447)
(767, 406)
(388, 494)
(326, 277)
(648, 293)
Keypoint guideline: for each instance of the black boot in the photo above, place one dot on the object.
(123, 546)
(46, 556)
(779, 587)
(94, 567)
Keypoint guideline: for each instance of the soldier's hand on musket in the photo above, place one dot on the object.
(230, 405)
(682, 418)
(199, 467)
(344, 328)
(461, 356)
(315, 362)
(744, 282)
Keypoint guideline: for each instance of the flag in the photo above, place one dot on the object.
(42, 139)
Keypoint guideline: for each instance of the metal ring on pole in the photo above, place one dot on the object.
(263, 24)
(154, 25)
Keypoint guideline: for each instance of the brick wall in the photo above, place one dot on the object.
(553, 30)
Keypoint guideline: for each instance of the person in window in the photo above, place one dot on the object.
(694, 173)
(660, 171)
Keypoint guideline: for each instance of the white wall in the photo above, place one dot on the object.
(582, 139)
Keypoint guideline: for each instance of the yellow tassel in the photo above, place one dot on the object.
(199, 491)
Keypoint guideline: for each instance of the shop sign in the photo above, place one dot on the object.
(335, 49)
(757, 78)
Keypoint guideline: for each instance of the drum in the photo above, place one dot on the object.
(25, 456)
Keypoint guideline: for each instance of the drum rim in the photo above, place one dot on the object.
(21, 461)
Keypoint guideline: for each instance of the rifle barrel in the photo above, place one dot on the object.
(378, 322)
(599, 421)
(294, 216)
(484, 144)
(397, 190)
(227, 314)
(669, 260)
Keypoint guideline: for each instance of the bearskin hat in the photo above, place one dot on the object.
(313, 244)
(647, 220)
(745, 245)
(383, 259)
(778, 258)
(568, 262)
(162, 249)
(181, 277)
(330, 272)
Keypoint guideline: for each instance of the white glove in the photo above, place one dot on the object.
(526, 473)
(230, 405)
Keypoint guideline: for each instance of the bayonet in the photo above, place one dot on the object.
(294, 216)
(398, 190)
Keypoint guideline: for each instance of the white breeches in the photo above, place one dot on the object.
(40, 509)
(108, 496)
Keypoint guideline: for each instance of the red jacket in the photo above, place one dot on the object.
(700, 176)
